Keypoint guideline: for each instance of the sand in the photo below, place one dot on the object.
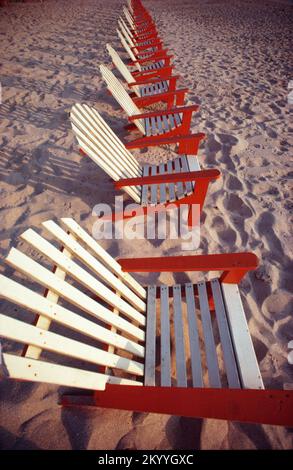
(235, 58)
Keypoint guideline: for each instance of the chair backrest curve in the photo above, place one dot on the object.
(122, 97)
(103, 146)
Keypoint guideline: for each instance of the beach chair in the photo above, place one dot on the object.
(94, 328)
(154, 187)
(139, 43)
(147, 31)
(144, 62)
(154, 125)
(148, 85)
(159, 68)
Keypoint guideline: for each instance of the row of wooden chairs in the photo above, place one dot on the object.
(182, 349)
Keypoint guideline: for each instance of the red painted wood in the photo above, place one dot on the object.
(253, 406)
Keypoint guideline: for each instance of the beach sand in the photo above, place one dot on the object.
(235, 58)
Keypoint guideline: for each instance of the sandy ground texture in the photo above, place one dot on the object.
(235, 58)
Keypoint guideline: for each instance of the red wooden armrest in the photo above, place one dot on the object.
(157, 55)
(169, 178)
(161, 112)
(153, 43)
(152, 59)
(154, 80)
(233, 265)
(153, 72)
(161, 140)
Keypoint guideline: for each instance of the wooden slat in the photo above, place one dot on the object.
(36, 303)
(196, 367)
(244, 351)
(121, 96)
(145, 187)
(46, 278)
(171, 186)
(81, 275)
(96, 266)
(159, 124)
(154, 187)
(150, 349)
(34, 352)
(148, 128)
(28, 334)
(165, 338)
(185, 169)
(171, 121)
(163, 196)
(179, 338)
(103, 256)
(154, 126)
(166, 123)
(179, 185)
(210, 347)
(38, 371)
(177, 119)
(226, 343)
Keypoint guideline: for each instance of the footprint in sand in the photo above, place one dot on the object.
(236, 205)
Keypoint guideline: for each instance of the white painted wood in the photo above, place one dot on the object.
(121, 96)
(28, 334)
(179, 338)
(103, 256)
(96, 266)
(150, 350)
(210, 347)
(43, 322)
(38, 371)
(46, 278)
(118, 62)
(226, 343)
(100, 143)
(195, 356)
(38, 304)
(165, 338)
(81, 275)
(243, 347)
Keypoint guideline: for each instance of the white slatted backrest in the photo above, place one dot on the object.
(125, 34)
(122, 68)
(94, 272)
(128, 50)
(126, 27)
(121, 96)
(102, 145)
(128, 17)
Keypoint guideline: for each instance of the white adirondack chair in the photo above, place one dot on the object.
(179, 181)
(149, 85)
(109, 308)
(168, 122)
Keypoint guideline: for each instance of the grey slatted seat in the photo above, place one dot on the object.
(148, 126)
(206, 353)
(139, 90)
(169, 192)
